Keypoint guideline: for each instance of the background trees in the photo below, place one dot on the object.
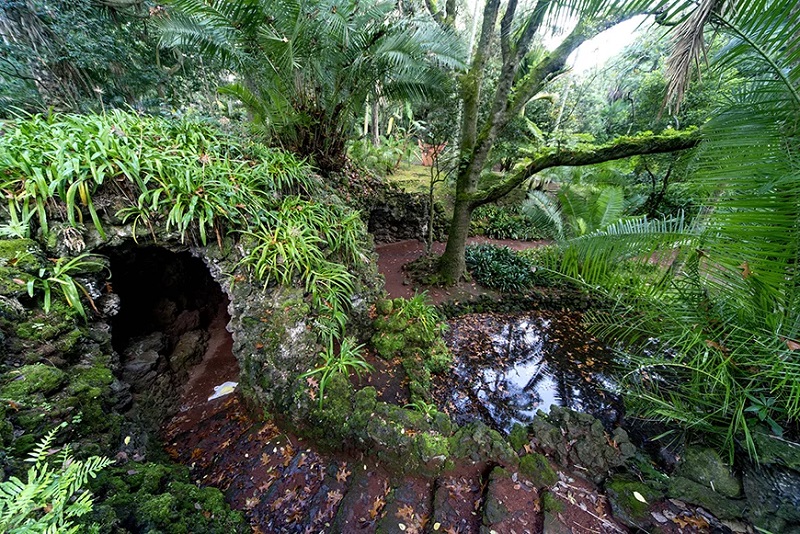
(525, 71)
(91, 54)
(305, 69)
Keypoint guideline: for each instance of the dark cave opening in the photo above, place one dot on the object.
(170, 329)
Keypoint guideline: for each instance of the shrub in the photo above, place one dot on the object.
(502, 222)
(499, 268)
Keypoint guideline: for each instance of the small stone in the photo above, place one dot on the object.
(659, 517)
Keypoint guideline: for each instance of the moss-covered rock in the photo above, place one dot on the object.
(518, 437)
(494, 511)
(550, 503)
(537, 469)
(704, 466)
(574, 438)
(690, 491)
(14, 283)
(159, 498)
(21, 254)
(479, 443)
(389, 344)
(31, 380)
(626, 505)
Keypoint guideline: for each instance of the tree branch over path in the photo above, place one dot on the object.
(623, 147)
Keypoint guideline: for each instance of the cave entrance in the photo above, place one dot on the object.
(170, 332)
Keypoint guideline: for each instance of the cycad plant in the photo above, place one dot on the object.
(306, 68)
(719, 293)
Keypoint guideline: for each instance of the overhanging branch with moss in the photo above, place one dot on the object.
(623, 147)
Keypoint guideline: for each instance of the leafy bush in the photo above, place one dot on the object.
(51, 498)
(382, 159)
(499, 268)
(503, 222)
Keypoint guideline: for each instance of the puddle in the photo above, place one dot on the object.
(508, 367)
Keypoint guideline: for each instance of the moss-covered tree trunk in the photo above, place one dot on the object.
(452, 265)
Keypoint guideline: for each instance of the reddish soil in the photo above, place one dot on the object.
(393, 256)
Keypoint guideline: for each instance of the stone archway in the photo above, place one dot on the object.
(170, 331)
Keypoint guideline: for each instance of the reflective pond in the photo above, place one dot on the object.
(509, 366)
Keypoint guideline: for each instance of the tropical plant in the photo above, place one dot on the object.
(306, 68)
(60, 276)
(193, 179)
(52, 497)
(723, 300)
(344, 361)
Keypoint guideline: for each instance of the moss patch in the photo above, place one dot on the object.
(538, 470)
(30, 380)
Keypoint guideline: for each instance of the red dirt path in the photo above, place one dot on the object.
(393, 256)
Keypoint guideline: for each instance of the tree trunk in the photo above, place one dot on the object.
(376, 107)
(452, 264)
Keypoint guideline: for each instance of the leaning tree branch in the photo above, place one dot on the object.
(622, 148)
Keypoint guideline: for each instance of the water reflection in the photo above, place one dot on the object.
(507, 367)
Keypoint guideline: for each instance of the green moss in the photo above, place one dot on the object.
(23, 445)
(67, 342)
(37, 330)
(159, 498)
(538, 470)
(384, 306)
(30, 380)
(21, 254)
(622, 493)
(30, 420)
(551, 504)
(13, 282)
(695, 493)
(440, 359)
(518, 437)
(389, 345)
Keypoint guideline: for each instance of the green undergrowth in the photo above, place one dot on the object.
(504, 222)
(411, 329)
(155, 497)
(181, 176)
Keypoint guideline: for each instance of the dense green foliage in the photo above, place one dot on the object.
(499, 268)
(719, 291)
(52, 498)
(504, 222)
(81, 55)
(187, 176)
(306, 68)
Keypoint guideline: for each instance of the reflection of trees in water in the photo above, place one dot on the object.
(552, 352)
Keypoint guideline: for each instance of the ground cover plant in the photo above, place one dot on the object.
(499, 268)
(185, 175)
